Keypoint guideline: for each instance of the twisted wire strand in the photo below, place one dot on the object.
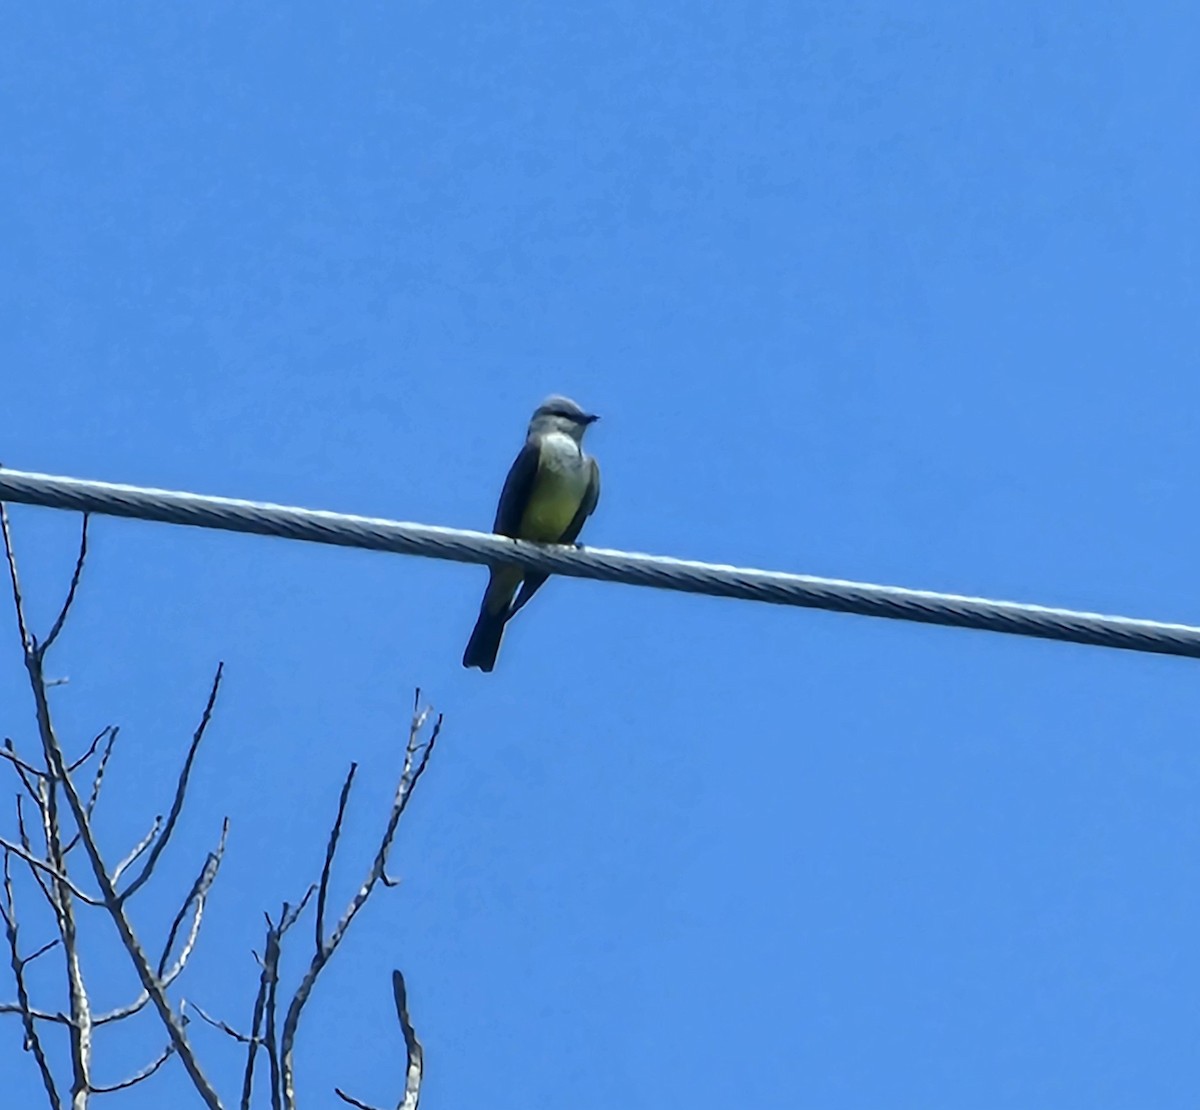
(928, 607)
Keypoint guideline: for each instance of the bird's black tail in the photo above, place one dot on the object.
(485, 640)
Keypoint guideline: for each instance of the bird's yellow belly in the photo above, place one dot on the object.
(552, 506)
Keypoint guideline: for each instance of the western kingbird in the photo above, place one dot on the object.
(550, 491)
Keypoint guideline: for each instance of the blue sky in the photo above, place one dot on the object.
(905, 294)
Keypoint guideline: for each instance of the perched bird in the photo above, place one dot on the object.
(550, 491)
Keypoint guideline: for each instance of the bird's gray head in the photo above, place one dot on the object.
(560, 414)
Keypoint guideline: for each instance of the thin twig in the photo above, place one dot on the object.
(290, 917)
(128, 1010)
(66, 607)
(50, 870)
(31, 783)
(48, 891)
(91, 751)
(137, 851)
(416, 760)
(330, 852)
(225, 1028)
(180, 789)
(138, 1076)
(353, 1101)
(47, 947)
(260, 1002)
(264, 1000)
(37, 1015)
(98, 778)
(33, 1041)
(8, 752)
(15, 581)
(197, 896)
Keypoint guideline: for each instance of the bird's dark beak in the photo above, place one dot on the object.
(588, 418)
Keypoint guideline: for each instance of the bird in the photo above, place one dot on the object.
(551, 489)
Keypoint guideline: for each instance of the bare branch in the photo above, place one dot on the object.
(416, 758)
(412, 1046)
(27, 643)
(138, 1076)
(138, 849)
(47, 890)
(265, 1003)
(271, 962)
(196, 896)
(37, 791)
(8, 752)
(113, 903)
(48, 946)
(254, 1040)
(33, 1042)
(128, 1010)
(37, 1015)
(274, 1025)
(50, 870)
(33, 783)
(353, 1101)
(265, 1000)
(414, 1054)
(98, 779)
(44, 787)
(66, 608)
(216, 1023)
(91, 751)
(61, 891)
(180, 789)
(290, 917)
(330, 852)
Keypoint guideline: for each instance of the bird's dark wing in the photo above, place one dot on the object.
(535, 579)
(586, 507)
(517, 487)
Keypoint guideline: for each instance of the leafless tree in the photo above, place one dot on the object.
(53, 822)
